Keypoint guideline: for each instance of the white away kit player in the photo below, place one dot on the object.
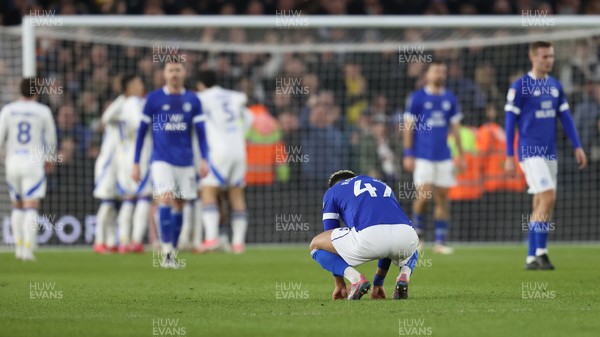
(105, 181)
(227, 120)
(136, 197)
(28, 129)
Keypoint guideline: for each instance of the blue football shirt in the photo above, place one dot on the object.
(171, 117)
(362, 202)
(536, 104)
(432, 114)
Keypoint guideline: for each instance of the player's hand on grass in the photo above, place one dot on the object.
(135, 173)
(340, 293)
(581, 158)
(203, 170)
(408, 163)
(509, 166)
(378, 293)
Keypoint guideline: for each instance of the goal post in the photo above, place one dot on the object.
(361, 67)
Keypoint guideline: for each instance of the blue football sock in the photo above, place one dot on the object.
(330, 261)
(166, 230)
(419, 221)
(441, 229)
(541, 234)
(532, 238)
(412, 262)
(176, 223)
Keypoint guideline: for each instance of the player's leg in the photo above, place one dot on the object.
(110, 231)
(187, 227)
(237, 201)
(129, 189)
(406, 269)
(124, 222)
(423, 185)
(30, 228)
(211, 186)
(542, 216)
(105, 182)
(540, 175)
(13, 182)
(441, 216)
(443, 179)
(325, 253)
(186, 187)
(16, 224)
(210, 217)
(141, 214)
(141, 217)
(197, 231)
(239, 219)
(164, 186)
(34, 186)
(105, 218)
(177, 206)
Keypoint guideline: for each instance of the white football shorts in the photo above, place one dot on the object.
(437, 173)
(178, 180)
(25, 181)
(126, 185)
(396, 242)
(540, 174)
(226, 171)
(105, 177)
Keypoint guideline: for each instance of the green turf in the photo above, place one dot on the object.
(476, 292)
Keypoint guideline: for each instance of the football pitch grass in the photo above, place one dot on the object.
(281, 291)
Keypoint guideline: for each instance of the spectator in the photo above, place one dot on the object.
(356, 91)
(89, 106)
(485, 78)
(587, 118)
(502, 7)
(69, 129)
(583, 67)
(321, 141)
(255, 7)
(568, 7)
(471, 97)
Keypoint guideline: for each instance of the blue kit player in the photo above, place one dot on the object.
(376, 229)
(431, 114)
(173, 114)
(534, 102)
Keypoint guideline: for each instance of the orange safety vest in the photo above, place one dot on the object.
(262, 141)
(469, 182)
(491, 141)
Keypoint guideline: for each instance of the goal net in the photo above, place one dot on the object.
(328, 93)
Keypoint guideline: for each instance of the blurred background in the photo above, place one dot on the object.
(324, 98)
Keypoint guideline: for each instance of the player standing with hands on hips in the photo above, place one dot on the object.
(171, 112)
(533, 103)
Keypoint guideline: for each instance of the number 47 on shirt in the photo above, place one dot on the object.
(369, 188)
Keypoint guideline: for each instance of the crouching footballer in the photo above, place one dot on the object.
(376, 229)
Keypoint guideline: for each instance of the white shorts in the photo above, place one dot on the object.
(178, 180)
(25, 181)
(126, 185)
(396, 242)
(437, 173)
(540, 174)
(105, 177)
(226, 171)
